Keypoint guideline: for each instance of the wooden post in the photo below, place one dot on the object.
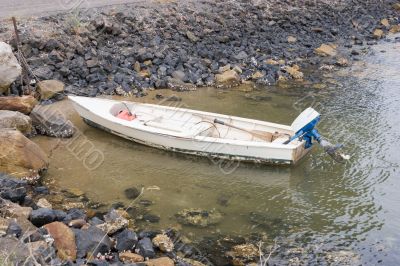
(24, 75)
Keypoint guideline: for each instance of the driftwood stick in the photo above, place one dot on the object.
(24, 76)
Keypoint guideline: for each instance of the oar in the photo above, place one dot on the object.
(266, 136)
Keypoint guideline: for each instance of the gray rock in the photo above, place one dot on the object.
(126, 240)
(132, 193)
(190, 35)
(91, 240)
(151, 218)
(162, 71)
(11, 245)
(74, 214)
(43, 72)
(48, 121)
(92, 63)
(42, 216)
(179, 75)
(14, 229)
(12, 189)
(241, 56)
(55, 56)
(145, 247)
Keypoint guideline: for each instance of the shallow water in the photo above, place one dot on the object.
(353, 206)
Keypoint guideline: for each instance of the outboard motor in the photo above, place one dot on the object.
(304, 126)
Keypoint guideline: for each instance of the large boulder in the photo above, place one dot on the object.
(10, 69)
(228, 78)
(20, 156)
(50, 122)
(64, 240)
(15, 120)
(50, 88)
(23, 104)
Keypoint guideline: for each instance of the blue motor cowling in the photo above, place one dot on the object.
(304, 126)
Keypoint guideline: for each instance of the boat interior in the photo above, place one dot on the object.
(191, 123)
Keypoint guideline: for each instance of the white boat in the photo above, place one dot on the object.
(200, 133)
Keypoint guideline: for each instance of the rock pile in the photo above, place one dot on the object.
(55, 237)
(200, 43)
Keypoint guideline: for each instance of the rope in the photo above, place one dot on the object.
(204, 121)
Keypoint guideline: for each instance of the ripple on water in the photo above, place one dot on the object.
(327, 204)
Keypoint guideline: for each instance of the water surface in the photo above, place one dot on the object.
(330, 206)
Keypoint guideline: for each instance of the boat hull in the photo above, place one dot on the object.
(199, 146)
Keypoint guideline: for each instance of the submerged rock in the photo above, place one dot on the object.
(132, 193)
(10, 69)
(15, 120)
(163, 242)
(244, 254)
(114, 222)
(24, 104)
(199, 217)
(151, 218)
(343, 257)
(50, 122)
(20, 156)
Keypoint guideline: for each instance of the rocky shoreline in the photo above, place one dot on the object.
(31, 231)
(183, 45)
(39, 225)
